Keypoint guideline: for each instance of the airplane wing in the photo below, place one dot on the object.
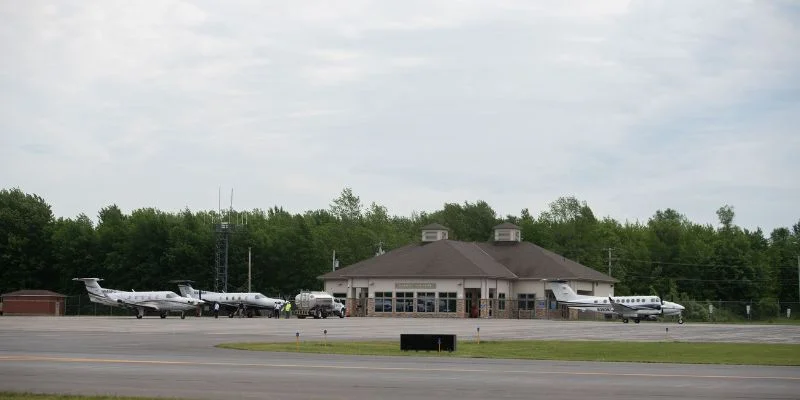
(148, 305)
(621, 308)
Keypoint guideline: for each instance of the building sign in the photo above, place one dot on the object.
(408, 285)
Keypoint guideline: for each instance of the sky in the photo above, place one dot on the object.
(631, 106)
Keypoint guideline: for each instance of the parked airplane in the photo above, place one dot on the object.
(634, 307)
(251, 301)
(161, 301)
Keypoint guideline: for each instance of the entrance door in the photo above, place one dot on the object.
(361, 302)
(472, 303)
(492, 304)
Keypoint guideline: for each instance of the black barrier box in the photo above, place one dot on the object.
(427, 342)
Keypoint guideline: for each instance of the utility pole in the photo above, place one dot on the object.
(249, 263)
(609, 259)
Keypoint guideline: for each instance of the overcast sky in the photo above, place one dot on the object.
(632, 106)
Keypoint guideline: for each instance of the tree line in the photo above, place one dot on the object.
(668, 255)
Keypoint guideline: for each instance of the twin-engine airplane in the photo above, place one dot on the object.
(250, 301)
(162, 302)
(633, 307)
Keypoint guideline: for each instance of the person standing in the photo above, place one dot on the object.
(216, 310)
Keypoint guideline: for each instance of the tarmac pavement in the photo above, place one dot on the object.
(176, 358)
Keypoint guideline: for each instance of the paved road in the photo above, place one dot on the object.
(175, 357)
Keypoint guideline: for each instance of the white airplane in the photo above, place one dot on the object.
(633, 307)
(161, 301)
(249, 300)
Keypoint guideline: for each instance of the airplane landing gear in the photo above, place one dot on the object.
(183, 315)
(636, 320)
(163, 315)
(138, 316)
(624, 320)
(680, 321)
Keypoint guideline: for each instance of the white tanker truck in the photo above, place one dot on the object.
(317, 305)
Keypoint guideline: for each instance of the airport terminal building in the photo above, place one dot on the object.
(439, 277)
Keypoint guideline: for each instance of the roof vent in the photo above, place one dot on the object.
(507, 232)
(434, 232)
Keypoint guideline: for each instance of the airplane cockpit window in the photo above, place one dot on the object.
(259, 297)
(171, 295)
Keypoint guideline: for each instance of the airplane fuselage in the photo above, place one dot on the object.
(636, 307)
(162, 300)
(253, 300)
(644, 305)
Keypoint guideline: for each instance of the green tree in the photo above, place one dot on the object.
(25, 240)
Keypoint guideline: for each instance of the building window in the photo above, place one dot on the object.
(501, 299)
(426, 302)
(383, 301)
(404, 302)
(526, 301)
(447, 301)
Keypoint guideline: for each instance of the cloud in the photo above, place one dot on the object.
(632, 106)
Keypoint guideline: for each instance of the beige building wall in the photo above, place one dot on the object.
(536, 286)
(511, 289)
(604, 289)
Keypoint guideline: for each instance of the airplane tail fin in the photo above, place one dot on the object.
(92, 286)
(186, 290)
(185, 287)
(562, 291)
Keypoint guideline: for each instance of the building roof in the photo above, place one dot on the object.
(33, 293)
(506, 225)
(529, 261)
(435, 227)
(455, 259)
(439, 259)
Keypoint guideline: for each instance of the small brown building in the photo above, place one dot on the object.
(33, 302)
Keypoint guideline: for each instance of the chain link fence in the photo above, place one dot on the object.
(697, 311)
(81, 305)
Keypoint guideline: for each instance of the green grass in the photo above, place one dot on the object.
(32, 396)
(653, 352)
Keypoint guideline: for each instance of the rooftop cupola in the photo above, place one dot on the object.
(434, 232)
(507, 232)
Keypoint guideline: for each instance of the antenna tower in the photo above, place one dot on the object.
(224, 227)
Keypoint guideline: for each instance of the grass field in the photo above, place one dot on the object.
(31, 396)
(652, 352)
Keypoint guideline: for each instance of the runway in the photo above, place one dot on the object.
(176, 358)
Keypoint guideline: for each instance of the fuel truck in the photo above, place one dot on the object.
(317, 305)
